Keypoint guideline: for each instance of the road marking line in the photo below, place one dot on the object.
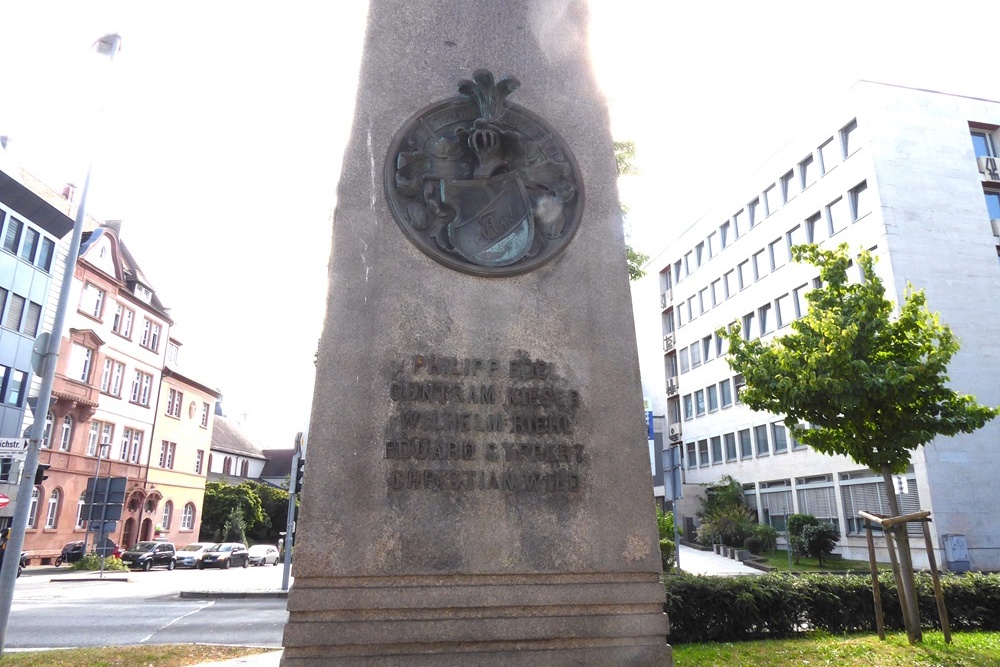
(183, 616)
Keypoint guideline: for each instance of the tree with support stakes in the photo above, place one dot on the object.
(854, 379)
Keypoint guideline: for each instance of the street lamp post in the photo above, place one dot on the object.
(105, 46)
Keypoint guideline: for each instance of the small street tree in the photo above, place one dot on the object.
(853, 379)
(625, 165)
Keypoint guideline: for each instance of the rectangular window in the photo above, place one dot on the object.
(167, 450)
(801, 304)
(730, 440)
(807, 172)
(126, 444)
(699, 254)
(754, 212)
(703, 453)
(712, 244)
(729, 284)
(685, 360)
(45, 254)
(761, 265)
(107, 434)
(150, 336)
(92, 300)
(861, 204)
(32, 319)
(771, 201)
(784, 314)
(849, 139)
(744, 274)
(706, 348)
(713, 398)
(795, 236)
(750, 331)
(829, 155)
(993, 204)
(688, 407)
(687, 262)
(141, 384)
(715, 292)
(199, 460)
(135, 453)
(692, 461)
(204, 414)
(778, 253)
(95, 433)
(816, 229)
(174, 400)
(15, 388)
(122, 324)
(721, 344)
(12, 237)
(30, 245)
(716, 449)
(15, 309)
(79, 362)
(778, 437)
(704, 301)
(739, 224)
(726, 393)
(695, 350)
(760, 436)
(838, 215)
(691, 309)
(788, 186)
(983, 144)
(699, 402)
(746, 448)
(766, 321)
(677, 271)
(724, 234)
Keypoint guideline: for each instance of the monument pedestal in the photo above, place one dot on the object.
(477, 486)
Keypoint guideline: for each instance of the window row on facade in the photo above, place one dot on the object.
(54, 508)
(741, 444)
(834, 218)
(807, 171)
(18, 313)
(25, 242)
(93, 304)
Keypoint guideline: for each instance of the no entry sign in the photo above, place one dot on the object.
(4, 501)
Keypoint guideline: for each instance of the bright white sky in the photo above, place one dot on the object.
(225, 125)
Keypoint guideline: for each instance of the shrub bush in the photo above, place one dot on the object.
(92, 561)
(667, 553)
(754, 545)
(767, 535)
(721, 609)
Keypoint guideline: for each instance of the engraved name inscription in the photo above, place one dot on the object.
(464, 424)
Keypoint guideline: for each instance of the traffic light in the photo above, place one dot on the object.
(40, 473)
(299, 472)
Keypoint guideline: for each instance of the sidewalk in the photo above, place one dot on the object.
(268, 659)
(694, 561)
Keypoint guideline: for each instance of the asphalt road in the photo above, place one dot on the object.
(55, 608)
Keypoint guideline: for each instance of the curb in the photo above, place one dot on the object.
(231, 595)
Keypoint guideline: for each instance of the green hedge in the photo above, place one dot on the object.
(716, 609)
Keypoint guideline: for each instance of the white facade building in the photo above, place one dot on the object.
(906, 173)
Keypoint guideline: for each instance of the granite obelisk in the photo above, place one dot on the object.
(477, 486)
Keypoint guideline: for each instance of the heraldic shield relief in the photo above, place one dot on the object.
(481, 185)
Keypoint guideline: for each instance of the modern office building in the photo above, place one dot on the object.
(30, 265)
(912, 176)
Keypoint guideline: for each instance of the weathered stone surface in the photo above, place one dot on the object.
(477, 483)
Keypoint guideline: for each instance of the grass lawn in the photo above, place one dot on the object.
(968, 649)
(779, 560)
(174, 655)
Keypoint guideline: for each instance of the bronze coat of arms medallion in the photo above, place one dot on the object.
(481, 185)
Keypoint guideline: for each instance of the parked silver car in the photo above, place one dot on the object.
(262, 554)
(190, 555)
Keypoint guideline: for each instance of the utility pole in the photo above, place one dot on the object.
(294, 486)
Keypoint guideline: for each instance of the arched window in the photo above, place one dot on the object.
(187, 517)
(52, 514)
(227, 465)
(33, 509)
(81, 520)
(47, 438)
(244, 468)
(67, 433)
(168, 511)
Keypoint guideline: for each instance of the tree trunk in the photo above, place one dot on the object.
(907, 596)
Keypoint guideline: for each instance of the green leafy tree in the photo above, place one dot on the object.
(274, 503)
(869, 385)
(235, 528)
(220, 500)
(668, 548)
(725, 518)
(625, 165)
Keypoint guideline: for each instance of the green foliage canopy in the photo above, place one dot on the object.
(868, 385)
(220, 501)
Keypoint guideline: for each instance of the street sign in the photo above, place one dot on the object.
(109, 526)
(16, 448)
(105, 547)
(4, 501)
(38, 352)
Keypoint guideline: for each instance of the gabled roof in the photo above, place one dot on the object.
(228, 437)
(278, 464)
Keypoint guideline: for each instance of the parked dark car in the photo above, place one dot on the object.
(71, 553)
(147, 555)
(225, 555)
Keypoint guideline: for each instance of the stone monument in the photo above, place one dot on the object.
(477, 488)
